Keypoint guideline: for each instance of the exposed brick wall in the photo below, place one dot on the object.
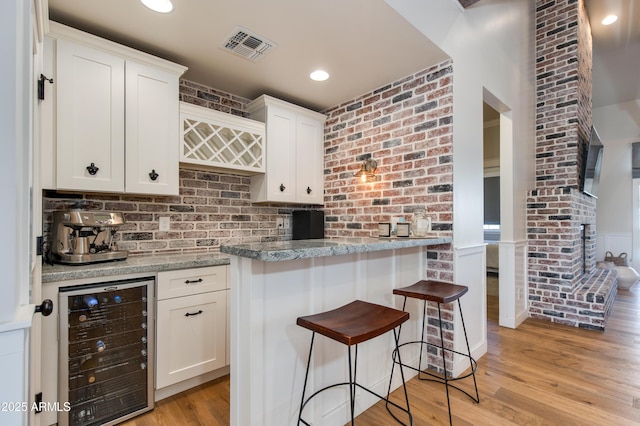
(563, 74)
(208, 97)
(557, 208)
(554, 221)
(407, 127)
(212, 209)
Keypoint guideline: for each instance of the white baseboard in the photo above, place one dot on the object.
(191, 383)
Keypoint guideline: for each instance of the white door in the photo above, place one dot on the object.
(90, 119)
(153, 130)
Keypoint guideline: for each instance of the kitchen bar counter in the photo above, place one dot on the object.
(272, 284)
(301, 249)
(132, 265)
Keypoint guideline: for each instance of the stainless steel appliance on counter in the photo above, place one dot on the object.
(106, 351)
(81, 236)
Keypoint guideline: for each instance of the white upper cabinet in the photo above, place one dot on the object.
(219, 141)
(295, 153)
(90, 118)
(116, 116)
(309, 160)
(152, 118)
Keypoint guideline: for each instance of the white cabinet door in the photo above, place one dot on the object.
(191, 336)
(281, 137)
(90, 119)
(309, 161)
(152, 131)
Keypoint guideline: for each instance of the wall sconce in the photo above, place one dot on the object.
(367, 170)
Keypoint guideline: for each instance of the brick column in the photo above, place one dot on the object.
(556, 208)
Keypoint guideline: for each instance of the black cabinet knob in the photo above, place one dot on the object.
(153, 175)
(308, 190)
(282, 187)
(92, 169)
(45, 308)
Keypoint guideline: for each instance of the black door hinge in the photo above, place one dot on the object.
(39, 245)
(41, 81)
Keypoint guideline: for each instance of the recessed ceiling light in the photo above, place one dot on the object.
(161, 6)
(319, 75)
(610, 19)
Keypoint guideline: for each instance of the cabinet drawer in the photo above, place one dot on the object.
(191, 337)
(191, 281)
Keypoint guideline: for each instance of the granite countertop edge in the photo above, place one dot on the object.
(132, 265)
(304, 249)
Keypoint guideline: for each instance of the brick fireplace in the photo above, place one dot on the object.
(564, 285)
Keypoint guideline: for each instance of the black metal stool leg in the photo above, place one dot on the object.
(396, 337)
(424, 326)
(353, 370)
(396, 352)
(393, 354)
(444, 364)
(473, 371)
(306, 376)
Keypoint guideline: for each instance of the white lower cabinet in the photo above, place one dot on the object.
(191, 329)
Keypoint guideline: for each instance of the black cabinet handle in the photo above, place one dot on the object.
(282, 187)
(153, 175)
(92, 169)
(45, 308)
(308, 190)
(199, 280)
(193, 315)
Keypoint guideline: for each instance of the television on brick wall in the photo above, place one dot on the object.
(592, 164)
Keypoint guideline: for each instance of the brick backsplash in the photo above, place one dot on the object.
(407, 127)
(211, 209)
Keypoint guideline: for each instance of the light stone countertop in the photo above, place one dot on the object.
(302, 249)
(132, 265)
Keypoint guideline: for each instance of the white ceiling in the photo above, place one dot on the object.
(363, 44)
(616, 51)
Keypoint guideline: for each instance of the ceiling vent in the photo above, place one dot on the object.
(247, 44)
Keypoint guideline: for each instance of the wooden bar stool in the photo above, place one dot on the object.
(350, 325)
(439, 292)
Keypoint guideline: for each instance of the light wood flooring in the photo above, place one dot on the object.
(539, 374)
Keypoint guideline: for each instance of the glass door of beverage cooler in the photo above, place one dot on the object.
(106, 351)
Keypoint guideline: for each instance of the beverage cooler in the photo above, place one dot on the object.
(106, 351)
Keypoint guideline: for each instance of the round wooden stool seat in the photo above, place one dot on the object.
(355, 322)
(434, 291)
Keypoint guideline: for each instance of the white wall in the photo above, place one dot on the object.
(15, 126)
(492, 46)
(618, 126)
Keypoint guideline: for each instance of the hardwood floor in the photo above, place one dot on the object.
(539, 374)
